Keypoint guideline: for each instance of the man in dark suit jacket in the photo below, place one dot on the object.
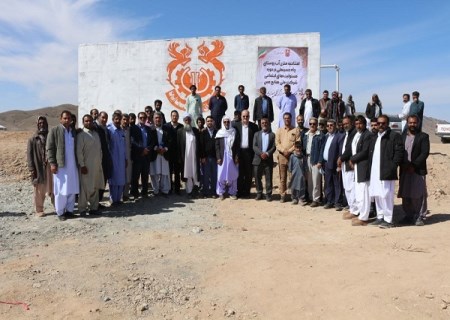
(263, 147)
(358, 160)
(172, 128)
(159, 158)
(103, 132)
(413, 189)
(309, 108)
(208, 158)
(263, 107)
(328, 159)
(141, 151)
(246, 131)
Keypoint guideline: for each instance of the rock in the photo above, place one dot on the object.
(229, 313)
(36, 285)
(443, 306)
(163, 291)
(244, 229)
(106, 299)
(137, 298)
(429, 296)
(142, 307)
(197, 230)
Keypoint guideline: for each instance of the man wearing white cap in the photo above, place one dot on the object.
(227, 155)
(188, 149)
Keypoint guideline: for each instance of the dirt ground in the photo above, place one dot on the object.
(176, 258)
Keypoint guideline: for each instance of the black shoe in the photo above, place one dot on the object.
(62, 218)
(269, 198)
(419, 222)
(338, 208)
(328, 206)
(69, 215)
(314, 204)
(376, 222)
(258, 196)
(83, 214)
(386, 225)
(282, 199)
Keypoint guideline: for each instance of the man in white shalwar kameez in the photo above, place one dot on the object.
(89, 157)
(405, 110)
(348, 174)
(227, 149)
(387, 154)
(159, 167)
(61, 143)
(188, 144)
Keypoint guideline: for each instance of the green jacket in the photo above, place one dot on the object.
(56, 146)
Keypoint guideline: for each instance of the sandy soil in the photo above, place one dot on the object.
(205, 259)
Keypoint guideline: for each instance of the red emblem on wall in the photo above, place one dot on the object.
(205, 73)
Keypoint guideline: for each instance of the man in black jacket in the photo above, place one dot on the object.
(348, 174)
(208, 158)
(309, 108)
(263, 107)
(246, 130)
(413, 189)
(385, 154)
(141, 148)
(174, 165)
(358, 155)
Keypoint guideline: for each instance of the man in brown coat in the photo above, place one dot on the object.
(39, 168)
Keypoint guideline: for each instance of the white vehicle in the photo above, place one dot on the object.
(443, 131)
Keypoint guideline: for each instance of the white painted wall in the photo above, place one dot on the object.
(131, 75)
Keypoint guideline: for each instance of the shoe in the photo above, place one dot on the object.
(233, 197)
(126, 198)
(357, 222)
(304, 203)
(348, 216)
(328, 206)
(386, 225)
(221, 197)
(282, 199)
(101, 206)
(376, 222)
(346, 207)
(420, 222)
(269, 198)
(314, 204)
(258, 196)
(214, 196)
(338, 207)
(69, 215)
(295, 201)
(62, 218)
(83, 214)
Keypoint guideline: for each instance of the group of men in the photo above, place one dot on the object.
(352, 165)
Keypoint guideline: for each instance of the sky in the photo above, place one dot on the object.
(384, 47)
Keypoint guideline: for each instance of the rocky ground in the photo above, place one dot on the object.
(175, 258)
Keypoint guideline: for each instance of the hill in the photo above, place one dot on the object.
(21, 120)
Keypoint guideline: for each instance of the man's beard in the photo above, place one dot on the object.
(188, 127)
(300, 125)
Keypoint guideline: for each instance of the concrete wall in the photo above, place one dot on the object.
(131, 75)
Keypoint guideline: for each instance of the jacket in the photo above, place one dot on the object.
(36, 158)
(345, 156)
(392, 153)
(315, 107)
(252, 129)
(208, 144)
(258, 111)
(136, 142)
(419, 153)
(316, 147)
(55, 145)
(257, 148)
(361, 157)
(154, 143)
